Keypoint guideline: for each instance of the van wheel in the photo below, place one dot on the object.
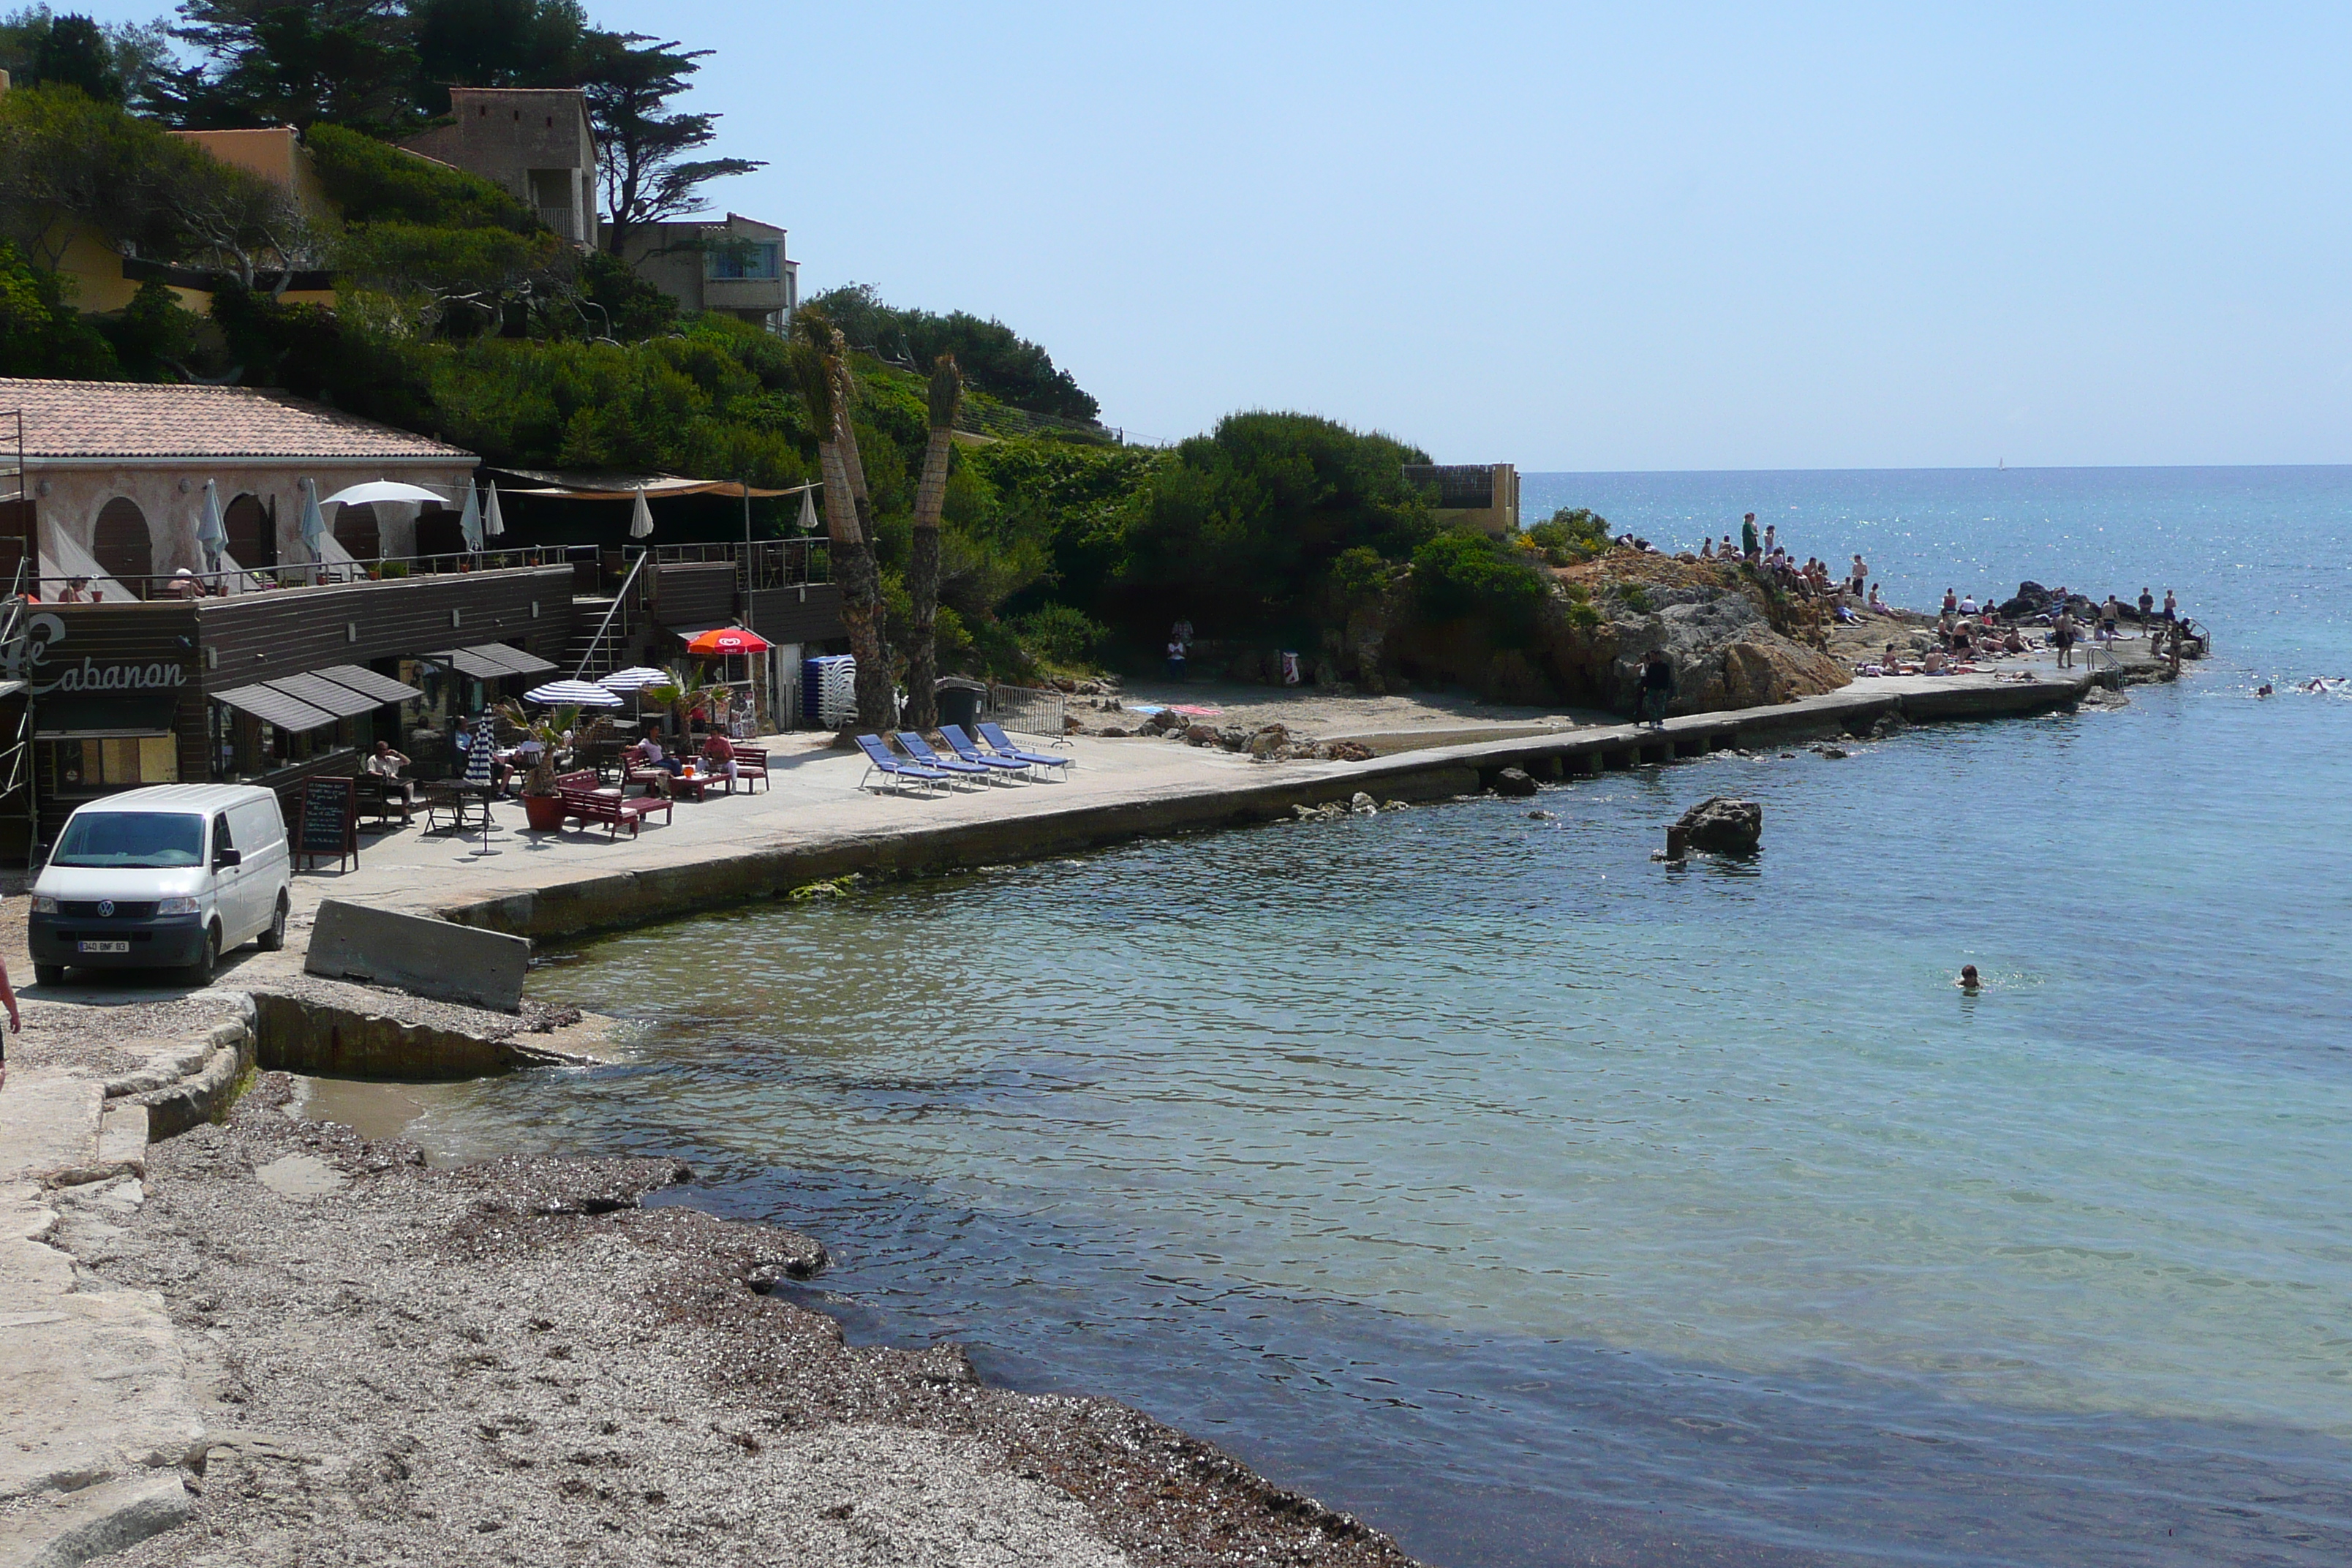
(49, 973)
(200, 972)
(274, 938)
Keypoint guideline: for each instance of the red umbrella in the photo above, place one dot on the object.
(726, 640)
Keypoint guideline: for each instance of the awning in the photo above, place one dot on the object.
(324, 695)
(79, 718)
(573, 484)
(368, 683)
(272, 706)
(491, 661)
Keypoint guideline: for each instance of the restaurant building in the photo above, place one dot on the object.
(278, 659)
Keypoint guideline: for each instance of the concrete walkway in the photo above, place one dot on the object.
(815, 822)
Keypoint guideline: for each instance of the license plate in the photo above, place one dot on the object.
(103, 946)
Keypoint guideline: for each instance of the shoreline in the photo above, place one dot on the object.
(1217, 792)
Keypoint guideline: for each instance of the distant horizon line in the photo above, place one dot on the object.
(1956, 468)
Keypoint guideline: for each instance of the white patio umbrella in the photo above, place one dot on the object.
(384, 489)
(636, 677)
(641, 516)
(314, 522)
(470, 519)
(572, 693)
(808, 511)
(493, 525)
(210, 532)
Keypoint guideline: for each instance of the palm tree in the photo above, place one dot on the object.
(923, 557)
(687, 692)
(846, 523)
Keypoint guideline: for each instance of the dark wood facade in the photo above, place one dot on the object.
(806, 612)
(258, 637)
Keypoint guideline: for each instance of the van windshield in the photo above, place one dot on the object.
(131, 838)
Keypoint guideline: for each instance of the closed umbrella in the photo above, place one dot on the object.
(210, 531)
(314, 522)
(493, 525)
(636, 679)
(469, 518)
(641, 516)
(478, 758)
(808, 511)
(573, 694)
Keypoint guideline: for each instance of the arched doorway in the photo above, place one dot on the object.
(356, 531)
(122, 545)
(252, 533)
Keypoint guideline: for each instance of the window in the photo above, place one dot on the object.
(152, 838)
(733, 258)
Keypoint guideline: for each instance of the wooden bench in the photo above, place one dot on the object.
(752, 763)
(585, 803)
(380, 798)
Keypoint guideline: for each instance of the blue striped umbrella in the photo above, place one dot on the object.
(479, 754)
(572, 693)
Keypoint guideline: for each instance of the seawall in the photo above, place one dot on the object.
(716, 876)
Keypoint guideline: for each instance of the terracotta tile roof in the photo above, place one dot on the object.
(133, 419)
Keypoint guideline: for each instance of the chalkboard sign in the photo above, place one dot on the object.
(330, 823)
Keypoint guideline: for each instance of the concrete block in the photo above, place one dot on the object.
(97, 1522)
(418, 953)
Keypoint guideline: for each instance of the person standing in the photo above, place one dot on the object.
(1771, 529)
(1657, 689)
(1747, 537)
(1861, 576)
(1951, 603)
(2064, 635)
(1175, 658)
(2171, 606)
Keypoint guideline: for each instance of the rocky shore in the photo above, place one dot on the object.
(522, 1362)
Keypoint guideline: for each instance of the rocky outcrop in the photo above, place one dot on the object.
(1725, 653)
(1515, 782)
(1721, 826)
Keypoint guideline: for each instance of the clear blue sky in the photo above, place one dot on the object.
(1627, 236)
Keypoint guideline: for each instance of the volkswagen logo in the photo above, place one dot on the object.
(106, 909)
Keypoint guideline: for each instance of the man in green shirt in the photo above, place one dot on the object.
(1748, 545)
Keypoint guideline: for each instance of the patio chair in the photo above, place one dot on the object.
(961, 744)
(995, 736)
(879, 760)
(915, 746)
(750, 763)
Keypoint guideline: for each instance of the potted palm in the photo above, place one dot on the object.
(543, 802)
(689, 694)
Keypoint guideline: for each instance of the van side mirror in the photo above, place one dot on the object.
(227, 857)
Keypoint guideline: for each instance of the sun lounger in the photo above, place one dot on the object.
(995, 736)
(915, 746)
(879, 760)
(961, 744)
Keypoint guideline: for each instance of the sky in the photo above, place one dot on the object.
(1593, 237)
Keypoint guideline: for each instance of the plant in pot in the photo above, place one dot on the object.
(689, 694)
(542, 801)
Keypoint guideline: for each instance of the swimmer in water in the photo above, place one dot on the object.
(2263, 690)
(1968, 981)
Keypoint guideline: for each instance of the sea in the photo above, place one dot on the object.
(1539, 1202)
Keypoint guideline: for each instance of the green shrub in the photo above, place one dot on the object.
(1058, 634)
(1636, 597)
(1573, 533)
(1463, 575)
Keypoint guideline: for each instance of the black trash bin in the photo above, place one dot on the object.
(958, 700)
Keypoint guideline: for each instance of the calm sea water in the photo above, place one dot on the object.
(1544, 1204)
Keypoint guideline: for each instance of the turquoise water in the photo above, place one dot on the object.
(1545, 1205)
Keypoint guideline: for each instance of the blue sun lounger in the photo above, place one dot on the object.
(915, 746)
(879, 760)
(961, 744)
(994, 735)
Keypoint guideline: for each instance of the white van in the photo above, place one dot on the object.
(169, 876)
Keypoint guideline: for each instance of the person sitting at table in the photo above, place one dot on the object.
(650, 753)
(385, 765)
(719, 752)
(76, 590)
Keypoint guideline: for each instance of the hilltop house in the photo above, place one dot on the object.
(1485, 496)
(534, 142)
(735, 265)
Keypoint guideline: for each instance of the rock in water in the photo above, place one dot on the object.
(1514, 782)
(1721, 826)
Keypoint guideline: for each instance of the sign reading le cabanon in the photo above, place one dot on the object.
(29, 661)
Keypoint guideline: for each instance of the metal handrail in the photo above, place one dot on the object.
(290, 575)
(588, 655)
